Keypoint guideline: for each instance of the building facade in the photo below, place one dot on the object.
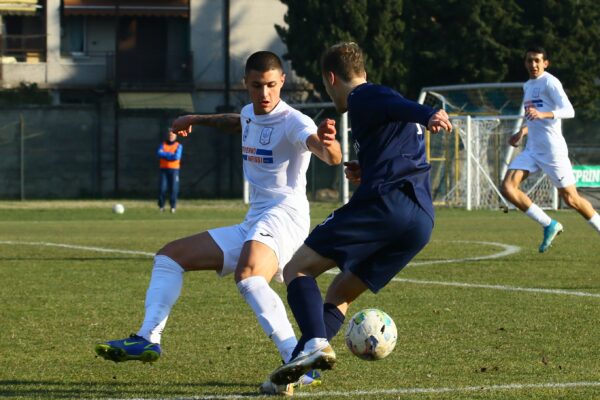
(192, 48)
(88, 88)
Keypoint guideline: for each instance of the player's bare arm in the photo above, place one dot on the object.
(229, 122)
(515, 139)
(439, 121)
(324, 145)
(352, 171)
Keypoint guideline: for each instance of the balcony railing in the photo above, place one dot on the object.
(98, 69)
(23, 48)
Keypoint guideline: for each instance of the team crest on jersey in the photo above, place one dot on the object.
(536, 92)
(265, 135)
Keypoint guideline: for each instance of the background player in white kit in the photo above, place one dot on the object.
(546, 103)
(277, 142)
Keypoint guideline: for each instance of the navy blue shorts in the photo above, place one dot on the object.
(374, 238)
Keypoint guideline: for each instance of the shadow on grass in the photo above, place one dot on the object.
(96, 390)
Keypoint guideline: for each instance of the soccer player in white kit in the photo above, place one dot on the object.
(546, 104)
(277, 142)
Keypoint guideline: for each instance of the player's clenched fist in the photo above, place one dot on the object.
(439, 121)
(182, 125)
(352, 171)
(326, 132)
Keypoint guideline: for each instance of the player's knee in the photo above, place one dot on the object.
(289, 274)
(507, 189)
(242, 273)
(166, 250)
(174, 251)
(247, 271)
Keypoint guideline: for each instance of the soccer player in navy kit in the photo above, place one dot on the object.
(387, 221)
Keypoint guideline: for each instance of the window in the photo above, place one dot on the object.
(73, 36)
(24, 38)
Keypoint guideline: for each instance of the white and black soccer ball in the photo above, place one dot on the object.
(118, 208)
(371, 334)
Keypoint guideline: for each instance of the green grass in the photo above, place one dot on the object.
(56, 303)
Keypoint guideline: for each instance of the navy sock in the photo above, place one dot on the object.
(333, 319)
(304, 298)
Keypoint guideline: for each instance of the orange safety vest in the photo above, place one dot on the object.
(170, 148)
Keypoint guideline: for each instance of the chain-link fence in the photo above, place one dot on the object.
(96, 151)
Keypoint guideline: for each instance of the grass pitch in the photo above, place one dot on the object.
(516, 325)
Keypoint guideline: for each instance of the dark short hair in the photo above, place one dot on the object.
(537, 50)
(263, 61)
(345, 60)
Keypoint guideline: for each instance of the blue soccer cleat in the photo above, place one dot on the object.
(133, 348)
(550, 232)
(311, 378)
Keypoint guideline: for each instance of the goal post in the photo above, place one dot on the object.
(469, 164)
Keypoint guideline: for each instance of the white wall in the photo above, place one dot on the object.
(253, 29)
(206, 42)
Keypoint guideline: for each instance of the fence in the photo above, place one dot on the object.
(75, 151)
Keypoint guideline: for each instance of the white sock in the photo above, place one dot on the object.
(595, 222)
(538, 215)
(163, 292)
(271, 314)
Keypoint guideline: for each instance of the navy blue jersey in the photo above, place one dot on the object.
(389, 143)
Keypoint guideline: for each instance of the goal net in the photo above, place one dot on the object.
(468, 164)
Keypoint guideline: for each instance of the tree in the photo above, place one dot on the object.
(455, 42)
(569, 31)
(314, 25)
(409, 44)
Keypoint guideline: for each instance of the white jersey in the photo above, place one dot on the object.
(276, 157)
(546, 93)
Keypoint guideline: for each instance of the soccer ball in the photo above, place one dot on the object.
(371, 334)
(118, 208)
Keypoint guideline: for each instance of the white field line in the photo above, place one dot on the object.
(77, 247)
(406, 391)
(498, 287)
(507, 250)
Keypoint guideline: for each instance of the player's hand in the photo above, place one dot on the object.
(515, 139)
(352, 171)
(182, 126)
(439, 121)
(532, 113)
(326, 132)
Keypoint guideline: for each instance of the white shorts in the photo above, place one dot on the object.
(556, 166)
(280, 228)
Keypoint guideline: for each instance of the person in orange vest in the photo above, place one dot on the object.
(169, 154)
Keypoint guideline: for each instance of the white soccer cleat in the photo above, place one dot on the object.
(271, 389)
(312, 378)
(320, 357)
